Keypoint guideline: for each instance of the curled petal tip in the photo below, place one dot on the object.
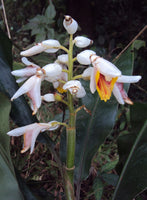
(24, 149)
(128, 101)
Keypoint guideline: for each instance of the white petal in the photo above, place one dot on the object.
(128, 79)
(117, 94)
(21, 130)
(19, 80)
(25, 87)
(26, 72)
(105, 67)
(84, 57)
(55, 84)
(63, 58)
(27, 62)
(33, 50)
(70, 24)
(52, 71)
(35, 95)
(87, 72)
(82, 42)
(81, 93)
(48, 97)
(92, 81)
(35, 133)
(17, 131)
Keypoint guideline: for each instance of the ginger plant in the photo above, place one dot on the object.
(104, 77)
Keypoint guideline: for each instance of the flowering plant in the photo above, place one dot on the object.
(100, 74)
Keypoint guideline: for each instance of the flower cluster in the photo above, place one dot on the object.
(104, 77)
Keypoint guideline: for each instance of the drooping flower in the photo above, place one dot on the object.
(75, 87)
(30, 133)
(48, 46)
(118, 91)
(24, 73)
(82, 42)
(103, 77)
(84, 57)
(32, 88)
(70, 24)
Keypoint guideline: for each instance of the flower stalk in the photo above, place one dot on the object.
(70, 131)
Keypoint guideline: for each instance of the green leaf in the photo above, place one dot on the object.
(40, 37)
(133, 177)
(109, 166)
(5, 107)
(137, 116)
(9, 188)
(5, 48)
(98, 188)
(50, 33)
(138, 44)
(50, 12)
(125, 142)
(110, 179)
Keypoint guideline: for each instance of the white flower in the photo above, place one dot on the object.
(30, 70)
(52, 71)
(48, 97)
(118, 91)
(30, 133)
(84, 57)
(63, 58)
(82, 42)
(75, 88)
(103, 77)
(63, 77)
(70, 24)
(49, 46)
(32, 88)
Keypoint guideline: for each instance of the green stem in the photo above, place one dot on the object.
(70, 131)
(77, 77)
(64, 48)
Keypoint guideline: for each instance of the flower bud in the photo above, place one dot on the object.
(52, 71)
(49, 46)
(84, 57)
(63, 58)
(75, 88)
(82, 42)
(48, 97)
(70, 24)
(53, 125)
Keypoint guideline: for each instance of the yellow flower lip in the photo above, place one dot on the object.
(103, 86)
